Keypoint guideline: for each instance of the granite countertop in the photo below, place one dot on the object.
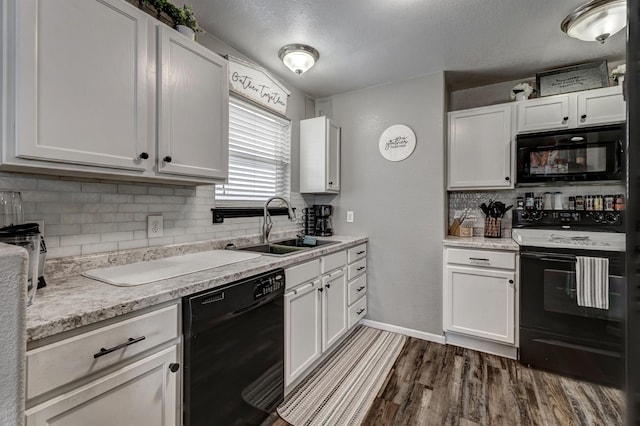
(71, 300)
(482, 243)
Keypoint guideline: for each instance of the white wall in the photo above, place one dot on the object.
(399, 205)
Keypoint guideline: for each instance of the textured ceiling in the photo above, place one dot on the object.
(363, 43)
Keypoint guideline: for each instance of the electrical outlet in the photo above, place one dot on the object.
(349, 216)
(154, 226)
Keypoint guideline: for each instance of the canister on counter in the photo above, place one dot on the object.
(579, 202)
(619, 205)
(609, 202)
(572, 203)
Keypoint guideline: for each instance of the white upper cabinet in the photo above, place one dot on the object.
(193, 128)
(81, 83)
(319, 156)
(550, 113)
(578, 109)
(601, 106)
(479, 148)
(103, 89)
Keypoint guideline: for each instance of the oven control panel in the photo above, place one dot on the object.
(595, 220)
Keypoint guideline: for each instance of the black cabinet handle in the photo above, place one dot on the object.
(510, 281)
(360, 252)
(331, 183)
(167, 159)
(360, 288)
(320, 289)
(174, 366)
(507, 178)
(129, 342)
(144, 155)
(583, 116)
(361, 268)
(328, 286)
(565, 119)
(360, 311)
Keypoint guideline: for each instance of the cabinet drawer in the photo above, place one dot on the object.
(333, 261)
(356, 253)
(299, 274)
(357, 289)
(59, 363)
(357, 311)
(357, 268)
(488, 258)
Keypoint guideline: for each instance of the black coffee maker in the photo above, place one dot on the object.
(323, 227)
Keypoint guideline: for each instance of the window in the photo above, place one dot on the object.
(259, 156)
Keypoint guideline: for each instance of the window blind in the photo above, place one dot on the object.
(259, 156)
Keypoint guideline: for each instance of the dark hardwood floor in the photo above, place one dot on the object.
(433, 384)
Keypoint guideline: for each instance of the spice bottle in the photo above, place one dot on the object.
(609, 201)
(588, 203)
(598, 202)
(579, 202)
(619, 205)
(572, 203)
(529, 202)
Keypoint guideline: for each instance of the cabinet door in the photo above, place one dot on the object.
(334, 308)
(602, 106)
(333, 156)
(193, 108)
(480, 148)
(81, 77)
(143, 393)
(302, 330)
(480, 302)
(545, 114)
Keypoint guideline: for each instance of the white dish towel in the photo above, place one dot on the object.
(592, 282)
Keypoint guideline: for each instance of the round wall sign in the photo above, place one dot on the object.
(397, 142)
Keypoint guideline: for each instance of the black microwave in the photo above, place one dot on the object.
(576, 155)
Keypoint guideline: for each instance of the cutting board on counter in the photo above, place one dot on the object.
(169, 267)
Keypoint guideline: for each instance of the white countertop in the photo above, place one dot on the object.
(75, 301)
(482, 243)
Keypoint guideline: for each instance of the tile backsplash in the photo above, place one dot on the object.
(85, 216)
(471, 200)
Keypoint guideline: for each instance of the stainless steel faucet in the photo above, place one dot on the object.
(267, 223)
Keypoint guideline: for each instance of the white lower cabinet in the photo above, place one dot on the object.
(142, 393)
(315, 309)
(479, 294)
(127, 372)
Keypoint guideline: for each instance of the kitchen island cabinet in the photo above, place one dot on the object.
(90, 105)
(127, 372)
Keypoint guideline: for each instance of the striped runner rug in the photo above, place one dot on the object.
(342, 388)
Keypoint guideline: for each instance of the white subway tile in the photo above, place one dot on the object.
(117, 198)
(163, 241)
(64, 252)
(73, 218)
(187, 192)
(40, 196)
(116, 217)
(185, 238)
(99, 228)
(140, 217)
(59, 185)
(161, 190)
(131, 226)
(99, 187)
(75, 197)
(132, 189)
(116, 236)
(139, 235)
(148, 199)
(98, 248)
(51, 242)
(74, 240)
(125, 245)
(13, 183)
(54, 230)
(133, 208)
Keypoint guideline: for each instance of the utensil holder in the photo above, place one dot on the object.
(493, 227)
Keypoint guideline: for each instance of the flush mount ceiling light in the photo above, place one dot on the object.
(298, 57)
(597, 20)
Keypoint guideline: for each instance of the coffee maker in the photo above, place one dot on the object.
(323, 227)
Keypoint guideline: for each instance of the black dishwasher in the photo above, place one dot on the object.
(234, 352)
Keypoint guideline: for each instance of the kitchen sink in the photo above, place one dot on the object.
(285, 247)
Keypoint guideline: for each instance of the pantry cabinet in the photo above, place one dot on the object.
(319, 156)
(135, 100)
(479, 294)
(571, 110)
(480, 148)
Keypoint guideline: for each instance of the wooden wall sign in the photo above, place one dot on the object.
(254, 83)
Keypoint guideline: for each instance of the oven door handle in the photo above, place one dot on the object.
(550, 258)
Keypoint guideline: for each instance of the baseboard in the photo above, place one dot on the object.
(423, 335)
(503, 350)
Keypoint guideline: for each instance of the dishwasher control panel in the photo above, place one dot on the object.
(267, 285)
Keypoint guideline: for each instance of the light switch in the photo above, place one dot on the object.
(349, 216)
